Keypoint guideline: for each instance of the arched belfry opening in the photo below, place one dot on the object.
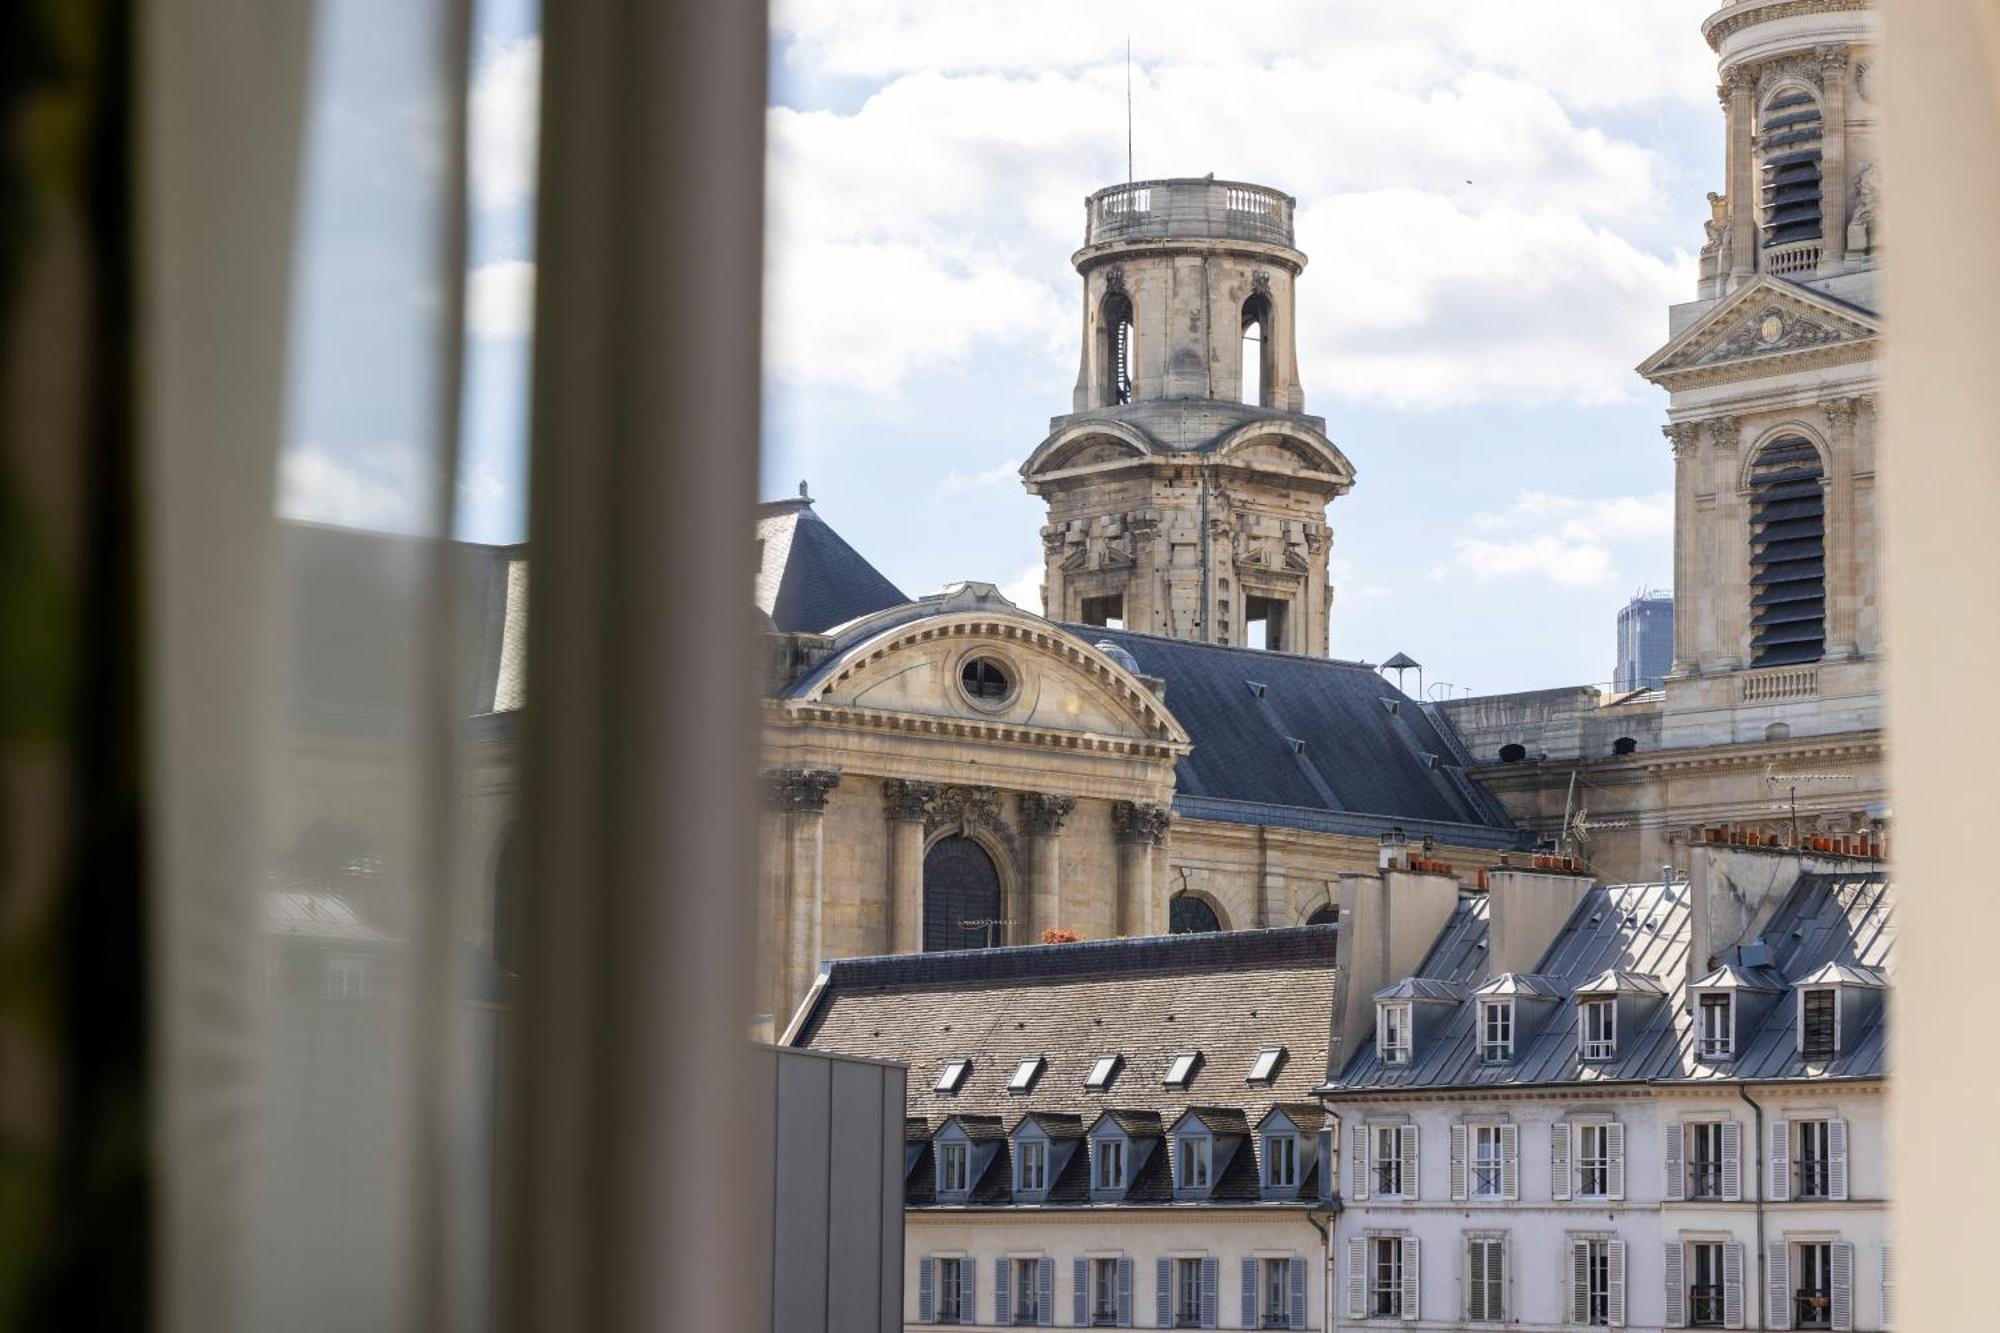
(1789, 141)
(1117, 347)
(1258, 344)
(1787, 554)
(962, 897)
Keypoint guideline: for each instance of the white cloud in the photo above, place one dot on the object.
(1025, 589)
(1567, 540)
(381, 488)
(959, 483)
(504, 127)
(500, 299)
(1351, 585)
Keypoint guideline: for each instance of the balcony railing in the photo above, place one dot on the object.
(1812, 1307)
(1786, 683)
(1188, 210)
(1705, 1306)
(1798, 257)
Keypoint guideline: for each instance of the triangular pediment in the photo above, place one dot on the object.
(1766, 326)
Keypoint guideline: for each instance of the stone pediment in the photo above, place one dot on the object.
(1766, 327)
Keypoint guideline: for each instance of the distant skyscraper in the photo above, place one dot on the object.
(1645, 642)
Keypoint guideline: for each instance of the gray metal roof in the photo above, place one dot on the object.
(1422, 988)
(1518, 984)
(1618, 981)
(1731, 976)
(808, 578)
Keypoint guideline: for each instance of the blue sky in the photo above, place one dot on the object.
(1498, 203)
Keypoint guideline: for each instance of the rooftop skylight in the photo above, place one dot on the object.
(953, 1075)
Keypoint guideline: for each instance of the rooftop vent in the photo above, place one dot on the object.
(1257, 687)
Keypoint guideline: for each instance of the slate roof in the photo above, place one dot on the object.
(1311, 742)
(808, 578)
(1228, 995)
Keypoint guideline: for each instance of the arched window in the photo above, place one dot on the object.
(1189, 915)
(961, 897)
(1326, 915)
(1789, 138)
(1116, 346)
(1513, 752)
(1257, 350)
(1787, 555)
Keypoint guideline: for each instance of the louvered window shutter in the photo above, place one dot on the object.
(1559, 1186)
(1843, 1286)
(1471, 1258)
(926, 1301)
(1210, 1279)
(1045, 1290)
(1888, 1286)
(1614, 1152)
(1412, 1285)
(1615, 1288)
(1732, 1161)
(1080, 1309)
(1003, 1292)
(1778, 1293)
(1677, 1287)
(1676, 1183)
(1249, 1293)
(1296, 1289)
(1458, 1161)
(1781, 1160)
(1510, 1161)
(1357, 1278)
(1357, 1156)
(1836, 1159)
(1406, 1143)
(1732, 1284)
(968, 1290)
(1163, 1297)
(1124, 1293)
(1579, 1281)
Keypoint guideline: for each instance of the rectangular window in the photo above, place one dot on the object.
(1101, 1073)
(1277, 1297)
(1819, 1030)
(1385, 1277)
(1811, 1160)
(1110, 1163)
(1392, 1037)
(1705, 1307)
(1181, 1070)
(1388, 1161)
(1716, 1032)
(1813, 1295)
(1599, 1019)
(1485, 1280)
(1496, 1031)
(951, 1168)
(1025, 1074)
(1266, 1066)
(1593, 1161)
(1034, 1157)
(1194, 1162)
(1104, 1293)
(1705, 1160)
(1106, 612)
(346, 978)
(1596, 1282)
(1485, 1164)
(1281, 1160)
(948, 1289)
(953, 1075)
(1264, 623)
(1187, 1293)
(1027, 1291)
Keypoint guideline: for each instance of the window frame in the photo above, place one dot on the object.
(1393, 1020)
(1193, 1150)
(1102, 1271)
(1025, 1075)
(1031, 1148)
(1385, 1277)
(1181, 1070)
(1494, 1051)
(1288, 1154)
(1188, 1289)
(954, 1264)
(1026, 1305)
(1807, 1050)
(1710, 1297)
(1381, 1164)
(950, 1150)
(1264, 1069)
(1474, 1133)
(1703, 1170)
(1596, 1266)
(1816, 1169)
(1276, 1286)
(952, 1077)
(1597, 1049)
(1107, 1148)
(1109, 1065)
(1709, 1045)
(1819, 1299)
(1493, 1276)
(1585, 1163)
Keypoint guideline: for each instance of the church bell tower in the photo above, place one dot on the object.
(1187, 488)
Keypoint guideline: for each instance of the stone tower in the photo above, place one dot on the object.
(1187, 489)
(1771, 374)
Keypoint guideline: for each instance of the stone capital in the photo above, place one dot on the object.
(800, 790)
(1682, 437)
(1725, 432)
(1840, 412)
(1831, 57)
(1044, 814)
(1140, 821)
(909, 801)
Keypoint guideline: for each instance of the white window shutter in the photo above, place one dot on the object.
(1888, 1286)
(1732, 1161)
(1836, 1159)
(1559, 1182)
(1357, 1278)
(1406, 1143)
(1045, 1288)
(1474, 1293)
(1677, 1287)
(1676, 1182)
(1843, 1286)
(926, 1301)
(1579, 1281)
(1163, 1293)
(1124, 1293)
(1210, 1280)
(1249, 1293)
(1458, 1135)
(1615, 1289)
(1003, 1292)
(1506, 1310)
(1357, 1155)
(1781, 1160)
(1296, 1294)
(1412, 1286)
(1080, 1308)
(1614, 1152)
(1732, 1284)
(1510, 1161)
(968, 1289)
(1778, 1294)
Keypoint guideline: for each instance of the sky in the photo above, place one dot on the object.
(1498, 204)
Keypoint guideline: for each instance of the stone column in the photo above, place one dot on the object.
(801, 794)
(1833, 158)
(1738, 91)
(1042, 816)
(1727, 579)
(906, 804)
(1140, 827)
(1843, 594)
(1684, 438)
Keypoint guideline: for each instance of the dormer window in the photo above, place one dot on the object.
(1496, 1031)
(1025, 1074)
(1715, 1026)
(1107, 1163)
(1819, 1023)
(1180, 1072)
(952, 1076)
(1031, 1165)
(1265, 1069)
(1597, 1029)
(952, 1166)
(1281, 1161)
(1191, 1162)
(1392, 1033)
(1102, 1072)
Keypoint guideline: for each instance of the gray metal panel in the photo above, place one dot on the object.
(801, 1194)
(895, 1091)
(854, 1197)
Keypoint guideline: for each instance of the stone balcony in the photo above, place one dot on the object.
(1194, 210)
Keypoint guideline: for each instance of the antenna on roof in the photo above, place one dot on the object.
(1128, 108)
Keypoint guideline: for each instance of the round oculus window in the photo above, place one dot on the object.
(985, 680)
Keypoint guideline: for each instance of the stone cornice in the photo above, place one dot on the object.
(1655, 1090)
(852, 717)
(1768, 364)
(1732, 19)
(1861, 745)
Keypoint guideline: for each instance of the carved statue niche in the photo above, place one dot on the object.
(1864, 232)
